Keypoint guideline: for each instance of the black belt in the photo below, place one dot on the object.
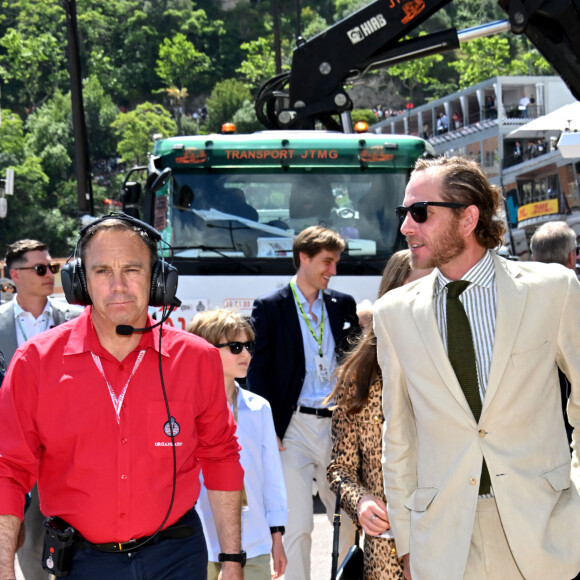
(312, 411)
(173, 532)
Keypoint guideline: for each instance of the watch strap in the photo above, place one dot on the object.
(274, 529)
(240, 558)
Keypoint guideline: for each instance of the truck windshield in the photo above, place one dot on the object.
(258, 215)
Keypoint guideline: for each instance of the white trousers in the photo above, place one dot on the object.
(490, 557)
(308, 444)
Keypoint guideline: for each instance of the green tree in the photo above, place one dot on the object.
(530, 62)
(12, 140)
(100, 112)
(312, 22)
(245, 119)
(135, 131)
(179, 63)
(416, 72)
(481, 59)
(50, 138)
(226, 98)
(25, 61)
(259, 64)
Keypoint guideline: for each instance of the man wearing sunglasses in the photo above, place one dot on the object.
(300, 330)
(29, 313)
(476, 461)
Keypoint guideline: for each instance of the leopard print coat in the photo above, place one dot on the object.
(356, 457)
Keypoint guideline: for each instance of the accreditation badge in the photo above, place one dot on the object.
(322, 368)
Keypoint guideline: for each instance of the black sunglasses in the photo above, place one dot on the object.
(419, 210)
(40, 269)
(237, 347)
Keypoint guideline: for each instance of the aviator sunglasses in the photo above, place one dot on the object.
(40, 269)
(418, 210)
(237, 347)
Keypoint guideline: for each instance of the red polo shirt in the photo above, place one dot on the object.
(111, 477)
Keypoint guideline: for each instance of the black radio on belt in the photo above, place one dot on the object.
(57, 553)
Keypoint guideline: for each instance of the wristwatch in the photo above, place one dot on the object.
(241, 557)
(274, 529)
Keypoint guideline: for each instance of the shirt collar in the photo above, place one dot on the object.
(482, 274)
(303, 300)
(83, 337)
(19, 311)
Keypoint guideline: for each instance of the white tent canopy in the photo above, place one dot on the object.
(552, 124)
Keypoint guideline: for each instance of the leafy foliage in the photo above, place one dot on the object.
(147, 65)
(259, 64)
(179, 62)
(137, 130)
(226, 98)
(416, 72)
(482, 59)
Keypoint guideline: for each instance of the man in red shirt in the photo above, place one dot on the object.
(83, 409)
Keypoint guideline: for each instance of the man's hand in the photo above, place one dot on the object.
(226, 507)
(231, 571)
(278, 555)
(407, 566)
(280, 446)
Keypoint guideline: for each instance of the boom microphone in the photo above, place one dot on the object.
(127, 330)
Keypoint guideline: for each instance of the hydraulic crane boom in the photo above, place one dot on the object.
(372, 38)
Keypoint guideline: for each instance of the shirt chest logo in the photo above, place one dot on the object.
(171, 427)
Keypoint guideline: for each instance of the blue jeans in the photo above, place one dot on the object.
(174, 559)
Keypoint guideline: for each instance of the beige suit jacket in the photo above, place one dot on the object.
(433, 448)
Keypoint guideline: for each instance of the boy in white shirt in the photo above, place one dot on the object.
(264, 511)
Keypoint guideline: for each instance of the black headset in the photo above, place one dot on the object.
(163, 275)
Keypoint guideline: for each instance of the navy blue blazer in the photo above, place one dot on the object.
(278, 368)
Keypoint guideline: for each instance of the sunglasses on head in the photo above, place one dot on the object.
(419, 212)
(40, 269)
(237, 347)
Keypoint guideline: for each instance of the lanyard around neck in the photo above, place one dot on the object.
(318, 339)
(23, 331)
(118, 402)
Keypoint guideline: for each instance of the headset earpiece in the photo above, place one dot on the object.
(164, 276)
(163, 284)
(74, 283)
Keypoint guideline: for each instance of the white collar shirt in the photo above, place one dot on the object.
(263, 480)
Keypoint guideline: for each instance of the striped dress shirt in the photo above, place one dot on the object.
(479, 300)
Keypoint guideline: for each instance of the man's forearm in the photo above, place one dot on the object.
(9, 528)
(226, 507)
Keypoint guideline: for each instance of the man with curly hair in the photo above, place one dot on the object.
(475, 457)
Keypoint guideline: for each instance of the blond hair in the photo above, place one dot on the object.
(212, 325)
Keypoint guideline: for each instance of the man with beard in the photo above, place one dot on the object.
(476, 462)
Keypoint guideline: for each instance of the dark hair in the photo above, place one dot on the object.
(360, 367)
(117, 225)
(463, 181)
(16, 252)
(396, 271)
(314, 240)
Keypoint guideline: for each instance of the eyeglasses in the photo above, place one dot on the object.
(40, 269)
(419, 210)
(237, 347)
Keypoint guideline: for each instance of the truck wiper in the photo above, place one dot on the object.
(181, 252)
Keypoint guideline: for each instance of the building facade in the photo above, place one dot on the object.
(538, 183)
